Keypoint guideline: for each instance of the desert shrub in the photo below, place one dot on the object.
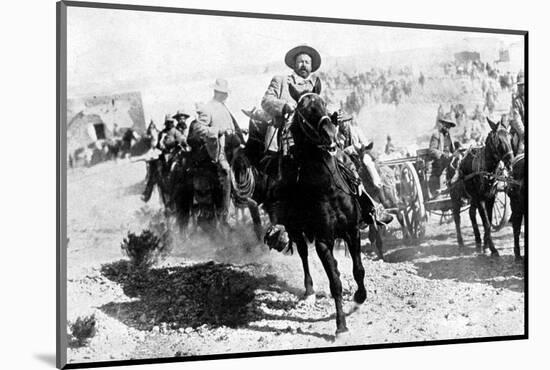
(143, 250)
(83, 329)
(160, 225)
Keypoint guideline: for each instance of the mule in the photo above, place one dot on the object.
(476, 182)
(175, 187)
(317, 202)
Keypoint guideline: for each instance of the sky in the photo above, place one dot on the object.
(108, 46)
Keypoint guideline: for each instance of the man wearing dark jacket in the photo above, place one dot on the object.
(278, 102)
(441, 150)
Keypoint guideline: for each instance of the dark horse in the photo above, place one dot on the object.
(476, 182)
(318, 204)
(175, 186)
(516, 192)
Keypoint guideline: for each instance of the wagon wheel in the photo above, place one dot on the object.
(411, 194)
(501, 210)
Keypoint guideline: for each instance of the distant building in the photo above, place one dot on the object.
(93, 118)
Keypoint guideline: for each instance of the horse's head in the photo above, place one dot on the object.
(258, 122)
(311, 122)
(498, 143)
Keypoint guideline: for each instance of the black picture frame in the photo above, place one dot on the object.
(61, 174)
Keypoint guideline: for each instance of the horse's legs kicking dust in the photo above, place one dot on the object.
(353, 240)
(324, 250)
(302, 251)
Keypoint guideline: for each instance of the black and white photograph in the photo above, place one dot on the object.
(243, 184)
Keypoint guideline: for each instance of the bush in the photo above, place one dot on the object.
(143, 250)
(83, 329)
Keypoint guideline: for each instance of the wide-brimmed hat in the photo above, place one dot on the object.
(221, 85)
(181, 112)
(168, 119)
(290, 57)
(447, 121)
(344, 117)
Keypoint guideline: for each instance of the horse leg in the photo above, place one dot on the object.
(324, 251)
(473, 219)
(353, 240)
(376, 240)
(301, 245)
(456, 217)
(487, 240)
(517, 218)
(516, 224)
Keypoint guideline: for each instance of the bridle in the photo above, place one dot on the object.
(494, 143)
(307, 128)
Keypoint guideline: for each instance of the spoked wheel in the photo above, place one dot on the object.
(501, 210)
(410, 192)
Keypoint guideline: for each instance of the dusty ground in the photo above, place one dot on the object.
(240, 297)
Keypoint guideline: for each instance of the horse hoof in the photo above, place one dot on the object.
(360, 296)
(495, 254)
(518, 259)
(356, 307)
(342, 333)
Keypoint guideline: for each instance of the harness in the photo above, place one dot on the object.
(307, 128)
(313, 135)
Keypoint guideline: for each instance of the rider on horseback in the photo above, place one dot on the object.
(181, 118)
(278, 102)
(517, 123)
(169, 142)
(215, 121)
(441, 151)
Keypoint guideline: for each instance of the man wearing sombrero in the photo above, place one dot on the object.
(304, 61)
(441, 150)
(277, 102)
(517, 123)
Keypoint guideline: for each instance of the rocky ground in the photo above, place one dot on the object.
(241, 297)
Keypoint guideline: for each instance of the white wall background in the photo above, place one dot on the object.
(27, 309)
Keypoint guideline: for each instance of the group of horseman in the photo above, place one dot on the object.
(442, 148)
(214, 122)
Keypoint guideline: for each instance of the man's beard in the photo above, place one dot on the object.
(304, 73)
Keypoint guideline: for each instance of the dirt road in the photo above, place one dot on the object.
(240, 297)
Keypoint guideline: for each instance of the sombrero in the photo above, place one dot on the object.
(344, 117)
(181, 112)
(447, 122)
(290, 57)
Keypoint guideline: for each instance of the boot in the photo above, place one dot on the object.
(372, 211)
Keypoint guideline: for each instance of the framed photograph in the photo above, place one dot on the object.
(242, 184)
